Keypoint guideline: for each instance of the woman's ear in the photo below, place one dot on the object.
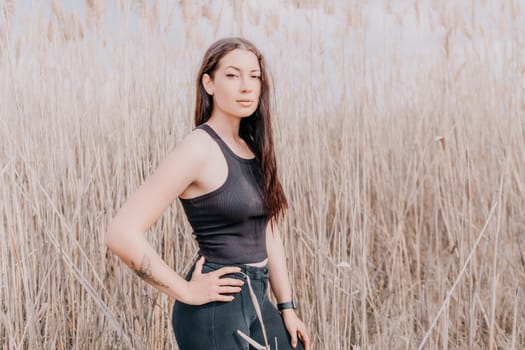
(207, 83)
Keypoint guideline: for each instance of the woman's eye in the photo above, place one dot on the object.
(231, 75)
(256, 76)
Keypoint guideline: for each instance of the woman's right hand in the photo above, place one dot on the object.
(207, 287)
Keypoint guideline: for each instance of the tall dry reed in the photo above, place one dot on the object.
(406, 179)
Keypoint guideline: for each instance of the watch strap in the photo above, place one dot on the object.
(287, 305)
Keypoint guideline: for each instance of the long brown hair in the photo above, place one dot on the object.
(255, 130)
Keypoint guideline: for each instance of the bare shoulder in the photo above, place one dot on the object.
(194, 148)
(198, 139)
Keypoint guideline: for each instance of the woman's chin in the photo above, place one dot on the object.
(245, 115)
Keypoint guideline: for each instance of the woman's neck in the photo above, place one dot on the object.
(227, 127)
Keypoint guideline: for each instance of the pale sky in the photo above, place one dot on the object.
(401, 33)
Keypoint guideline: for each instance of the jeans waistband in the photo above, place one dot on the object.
(255, 273)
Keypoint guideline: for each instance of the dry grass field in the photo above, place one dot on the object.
(404, 166)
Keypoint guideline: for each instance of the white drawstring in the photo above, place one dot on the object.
(257, 307)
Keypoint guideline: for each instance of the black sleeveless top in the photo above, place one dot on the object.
(229, 222)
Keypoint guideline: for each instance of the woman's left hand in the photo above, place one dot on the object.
(296, 328)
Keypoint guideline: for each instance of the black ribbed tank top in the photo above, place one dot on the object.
(229, 223)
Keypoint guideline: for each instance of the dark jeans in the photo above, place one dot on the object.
(213, 326)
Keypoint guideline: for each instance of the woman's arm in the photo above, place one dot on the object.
(277, 265)
(281, 285)
(125, 233)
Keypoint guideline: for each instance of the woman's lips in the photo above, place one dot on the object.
(245, 103)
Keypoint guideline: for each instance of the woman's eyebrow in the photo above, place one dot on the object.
(238, 69)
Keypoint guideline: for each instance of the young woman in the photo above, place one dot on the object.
(224, 173)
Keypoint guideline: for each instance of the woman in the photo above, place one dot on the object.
(224, 173)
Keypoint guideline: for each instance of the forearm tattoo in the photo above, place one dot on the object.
(144, 272)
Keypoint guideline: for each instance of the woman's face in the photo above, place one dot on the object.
(236, 85)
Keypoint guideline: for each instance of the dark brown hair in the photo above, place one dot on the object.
(255, 130)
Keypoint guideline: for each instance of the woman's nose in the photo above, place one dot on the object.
(245, 85)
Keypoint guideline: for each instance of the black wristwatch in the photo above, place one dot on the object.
(287, 305)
